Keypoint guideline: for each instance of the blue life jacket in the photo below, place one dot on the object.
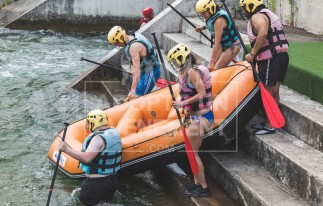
(229, 36)
(150, 61)
(108, 161)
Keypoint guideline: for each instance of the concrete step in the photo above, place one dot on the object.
(247, 181)
(294, 163)
(115, 91)
(17, 9)
(304, 117)
(190, 31)
(174, 178)
(296, 114)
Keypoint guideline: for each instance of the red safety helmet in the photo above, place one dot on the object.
(147, 11)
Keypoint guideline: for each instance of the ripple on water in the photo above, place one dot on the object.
(6, 74)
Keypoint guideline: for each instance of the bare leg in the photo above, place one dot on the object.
(195, 134)
(226, 57)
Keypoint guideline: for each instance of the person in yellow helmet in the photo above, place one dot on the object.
(226, 41)
(269, 51)
(143, 57)
(99, 158)
(196, 98)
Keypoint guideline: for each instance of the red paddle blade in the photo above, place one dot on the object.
(273, 112)
(162, 83)
(190, 153)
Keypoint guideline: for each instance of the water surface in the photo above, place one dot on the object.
(35, 68)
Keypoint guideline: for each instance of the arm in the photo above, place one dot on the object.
(135, 56)
(260, 25)
(96, 146)
(219, 25)
(199, 28)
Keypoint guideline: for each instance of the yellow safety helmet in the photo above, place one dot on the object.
(117, 33)
(178, 55)
(204, 5)
(96, 118)
(250, 5)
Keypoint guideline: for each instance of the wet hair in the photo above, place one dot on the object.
(194, 60)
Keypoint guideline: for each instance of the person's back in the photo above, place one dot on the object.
(100, 159)
(143, 58)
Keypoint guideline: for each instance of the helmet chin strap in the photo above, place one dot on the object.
(91, 126)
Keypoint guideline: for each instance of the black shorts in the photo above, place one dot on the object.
(273, 70)
(95, 190)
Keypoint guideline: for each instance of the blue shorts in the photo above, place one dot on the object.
(147, 82)
(209, 116)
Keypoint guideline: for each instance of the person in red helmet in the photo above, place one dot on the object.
(148, 15)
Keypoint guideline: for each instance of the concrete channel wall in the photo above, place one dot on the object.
(89, 15)
(303, 14)
(100, 14)
(165, 21)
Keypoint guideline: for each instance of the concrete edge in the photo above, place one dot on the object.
(289, 161)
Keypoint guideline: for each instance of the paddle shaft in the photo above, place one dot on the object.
(188, 21)
(56, 167)
(189, 150)
(273, 112)
(105, 65)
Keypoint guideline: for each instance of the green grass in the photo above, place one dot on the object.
(305, 70)
(307, 56)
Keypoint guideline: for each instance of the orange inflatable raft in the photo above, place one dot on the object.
(150, 130)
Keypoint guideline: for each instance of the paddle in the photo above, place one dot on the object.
(160, 82)
(188, 146)
(56, 167)
(273, 112)
(190, 23)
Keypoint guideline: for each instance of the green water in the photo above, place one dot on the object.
(35, 68)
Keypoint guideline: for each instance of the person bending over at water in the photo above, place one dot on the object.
(196, 97)
(226, 41)
(148, 15)
(99, 159)
(269, 51)
(143, 57)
